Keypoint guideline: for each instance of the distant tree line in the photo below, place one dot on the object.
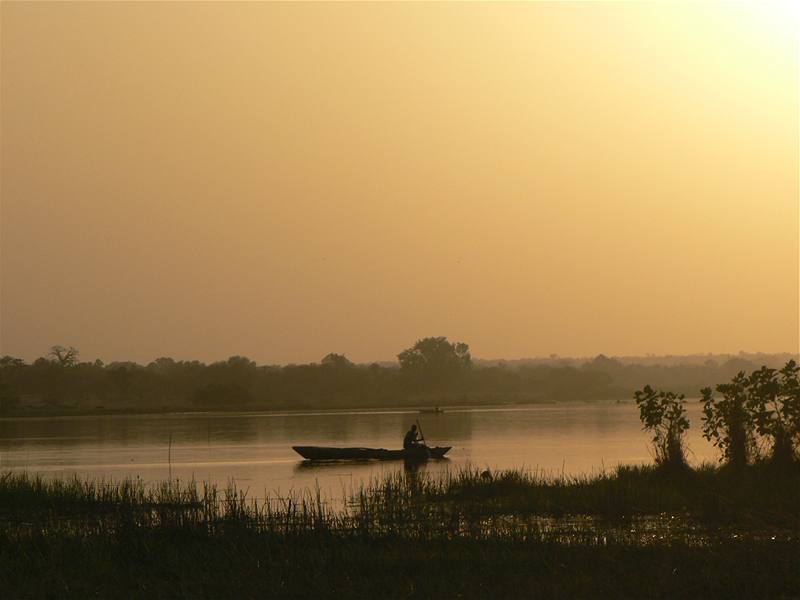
(432, 371)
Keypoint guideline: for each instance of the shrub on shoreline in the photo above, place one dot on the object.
(763, 406)
(664, 415)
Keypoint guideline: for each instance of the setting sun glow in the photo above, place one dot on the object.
(282, 180)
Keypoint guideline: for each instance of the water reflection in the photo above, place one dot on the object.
(255, 448)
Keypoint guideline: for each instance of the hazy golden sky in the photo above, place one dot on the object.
(285, 180)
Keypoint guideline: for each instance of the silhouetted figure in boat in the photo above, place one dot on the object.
(412, 439)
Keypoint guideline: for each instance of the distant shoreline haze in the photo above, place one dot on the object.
(667, 359)
(433, 371)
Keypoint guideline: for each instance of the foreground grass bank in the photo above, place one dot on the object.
(634, 533)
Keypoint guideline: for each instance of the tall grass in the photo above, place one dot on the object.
(465, 534)
(631, 504)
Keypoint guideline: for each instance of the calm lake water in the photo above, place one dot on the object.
(254, 449)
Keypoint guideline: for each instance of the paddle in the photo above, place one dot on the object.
(421, 435)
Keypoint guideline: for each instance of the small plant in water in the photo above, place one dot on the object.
(664, 414)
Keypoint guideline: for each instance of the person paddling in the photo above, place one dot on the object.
(411, 440)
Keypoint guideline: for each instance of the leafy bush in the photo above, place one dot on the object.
(763, 406)
(664, 414)
(774, 406)
(727, 422)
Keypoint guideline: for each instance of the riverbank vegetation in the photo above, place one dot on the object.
(433, 371)
(635, 532)
(757, 418)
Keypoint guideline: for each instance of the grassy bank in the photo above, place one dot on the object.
(757, 495)
(634, 533)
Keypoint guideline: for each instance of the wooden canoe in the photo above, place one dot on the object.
(324, 453)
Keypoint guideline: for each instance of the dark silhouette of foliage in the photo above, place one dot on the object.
(435, 362)
(233, 394)
(121, 377)
(10, 361)
(774, 406)
(763, 406)
(664, 414)
(65, 357)
(337, 360)
(603, 363)
(727, 422)
(432, 372)
(7, 399)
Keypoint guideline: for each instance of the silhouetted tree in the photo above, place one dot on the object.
(602, 363)
(664, 414)
(336, 360)
(11, 361)
(240, 362)
(727, 422)
(65, 357)
(434, 361)
(162, 364)
(774, 404)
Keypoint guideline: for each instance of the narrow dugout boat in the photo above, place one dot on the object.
(323, 453)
